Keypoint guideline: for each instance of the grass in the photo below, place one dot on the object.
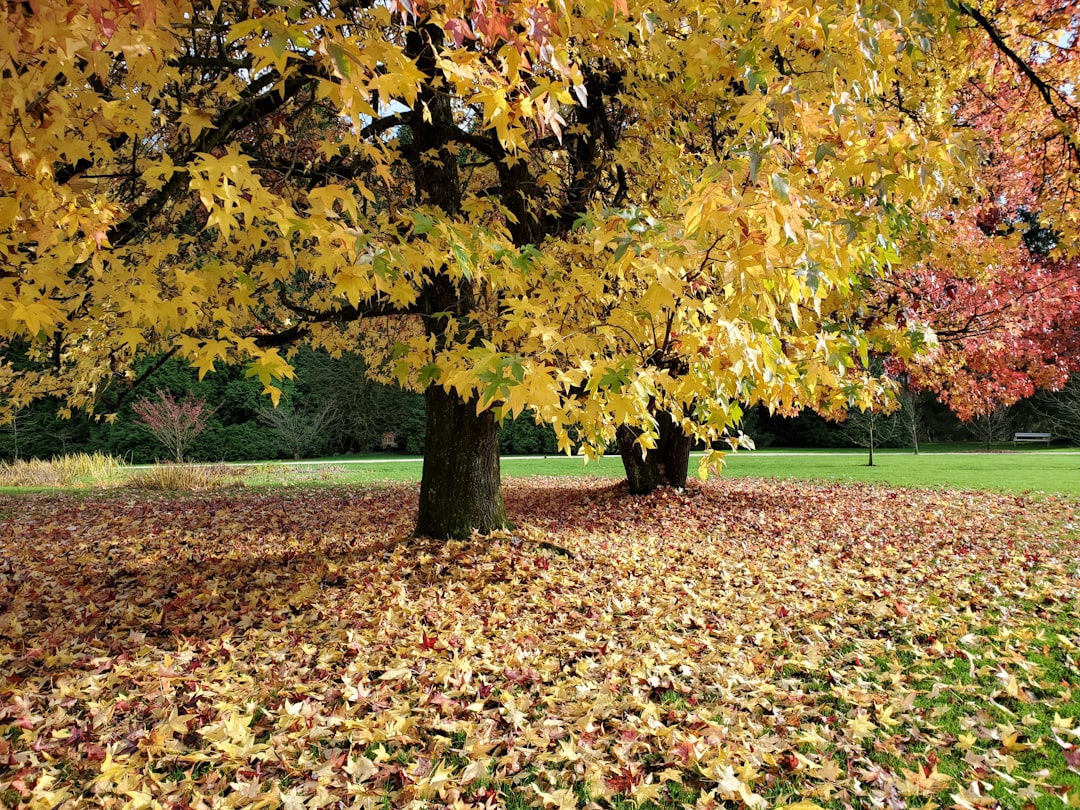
(1047, 471)
(958, 466)
(185, 477)
(951, 466)
(79, 469)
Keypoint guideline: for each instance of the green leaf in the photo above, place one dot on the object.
(780, 186)
(341, 60)
(823, 151)
(422, 223)
(428, 375)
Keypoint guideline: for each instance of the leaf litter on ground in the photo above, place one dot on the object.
(740, 643)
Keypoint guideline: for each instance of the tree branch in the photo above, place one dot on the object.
(1044, 89)
(142, 378)
(345, 314)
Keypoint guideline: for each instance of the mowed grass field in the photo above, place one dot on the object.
(959, 467)
(1022, 470)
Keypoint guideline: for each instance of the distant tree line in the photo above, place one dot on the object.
(333, 407)
(920, 418)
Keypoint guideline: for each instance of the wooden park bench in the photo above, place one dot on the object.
(1032, 437)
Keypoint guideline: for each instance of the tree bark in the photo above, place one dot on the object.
(675, 452)
(642, 472)
(666, 464)
(461, 489)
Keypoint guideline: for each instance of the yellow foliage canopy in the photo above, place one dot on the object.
(596, 211)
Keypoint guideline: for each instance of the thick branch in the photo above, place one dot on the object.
(345, 314)
(142, 378)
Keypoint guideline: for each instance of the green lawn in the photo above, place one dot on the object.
(952, 466)
(958, 467)
(1031, 471)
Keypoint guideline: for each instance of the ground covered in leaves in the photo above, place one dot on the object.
(743, 643)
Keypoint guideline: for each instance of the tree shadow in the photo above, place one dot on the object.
(97, 577)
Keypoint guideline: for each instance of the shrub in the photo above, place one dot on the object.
(172, 477)
(174, 423)
(248, 441)
(298, 432)
(524, 436)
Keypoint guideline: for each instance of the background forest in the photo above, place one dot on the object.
(333, 408)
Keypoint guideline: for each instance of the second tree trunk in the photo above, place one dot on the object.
(666, 464)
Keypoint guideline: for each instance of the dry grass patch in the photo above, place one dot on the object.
(169, 477)
(87, 469)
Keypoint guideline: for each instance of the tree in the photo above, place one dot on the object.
(910, 413)
(1061, 409)
(364, 411)
(995, 275)
(618, 215)
(173, 422)
(871, 428)
(992, 424)
(876, 424)
(298, 431)
(1005, 315)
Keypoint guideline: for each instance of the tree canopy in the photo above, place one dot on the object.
(612, 213)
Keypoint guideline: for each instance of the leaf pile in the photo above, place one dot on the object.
(740, 643)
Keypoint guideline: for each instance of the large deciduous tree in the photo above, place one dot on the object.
(632, 219)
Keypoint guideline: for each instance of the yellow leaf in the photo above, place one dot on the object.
(474, 770)
(561, 799)
(1011, 742)
(137, 800)
(195, 121)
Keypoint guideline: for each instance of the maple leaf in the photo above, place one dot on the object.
(1072, 758)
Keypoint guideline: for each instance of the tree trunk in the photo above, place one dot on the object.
(667, 463)
(642, 472)
(460, 490)
(675, 452)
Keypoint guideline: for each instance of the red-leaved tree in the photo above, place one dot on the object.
(998, 281)
(1007, 320)
(175, 423)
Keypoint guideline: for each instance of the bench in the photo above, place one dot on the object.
(1032, 437)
